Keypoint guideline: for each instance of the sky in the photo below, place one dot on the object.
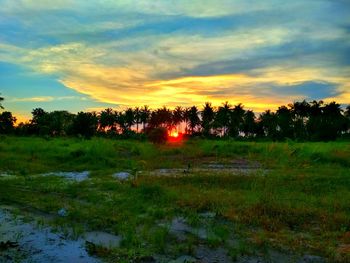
(85, 55)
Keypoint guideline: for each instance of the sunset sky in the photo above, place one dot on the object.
(89, 55)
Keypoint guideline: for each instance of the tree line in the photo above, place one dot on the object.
(302, 121)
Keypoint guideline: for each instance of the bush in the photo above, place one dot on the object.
(158, 135)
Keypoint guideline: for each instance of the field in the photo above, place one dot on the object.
(252, 199)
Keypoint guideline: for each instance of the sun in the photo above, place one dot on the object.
(174, 134)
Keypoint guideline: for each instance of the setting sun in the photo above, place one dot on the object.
(174, 133)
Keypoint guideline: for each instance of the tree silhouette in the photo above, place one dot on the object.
(268, 122)
(177, 115)
(332, 121)
(208, 116)
(59, 122)
(85, 124)
(300, 113)
(161, 118)
(158, 135)
(249, 123)
(7, 122)
(186, 115)
(236, 120)
(314, 123)
(40, 125)
(121, 121)
(129, 116)
(145, 115)
(137, 117)
(222, 119)
(303, 120)
(1, 99)
(284, 123)
(193, 118)
(107, 120)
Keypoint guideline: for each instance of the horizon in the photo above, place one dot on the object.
(79, 56)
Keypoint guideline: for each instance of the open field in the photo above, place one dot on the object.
(203, 198)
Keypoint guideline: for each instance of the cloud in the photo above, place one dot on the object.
(134, 78)
(43, 99)
(183, 52)
(195, 8)
(33, 99)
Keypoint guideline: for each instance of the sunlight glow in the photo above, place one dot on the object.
(174, 133)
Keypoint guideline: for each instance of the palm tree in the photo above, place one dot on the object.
(161, 118)
(208, 116)
(314, 122)
(137, 115)
(300, 109)
(285, 122)
(121, 121)
(193, 118)
(145, 114)
(249, 125)
(177, 115)
(129, 116)
(236, 119)
(300, 113)
(222, 119)
(268, 122)
(333, 121)
(107, 119)
(186, 114)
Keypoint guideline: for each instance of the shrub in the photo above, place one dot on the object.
(158, 135)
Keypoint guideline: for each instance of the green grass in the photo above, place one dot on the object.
(300, 205)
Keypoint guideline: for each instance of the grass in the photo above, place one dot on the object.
(301, 205)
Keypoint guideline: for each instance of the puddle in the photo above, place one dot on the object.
(41, 245)
(21, 241)
(74, 176)
(103, 239)
(122, 175)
